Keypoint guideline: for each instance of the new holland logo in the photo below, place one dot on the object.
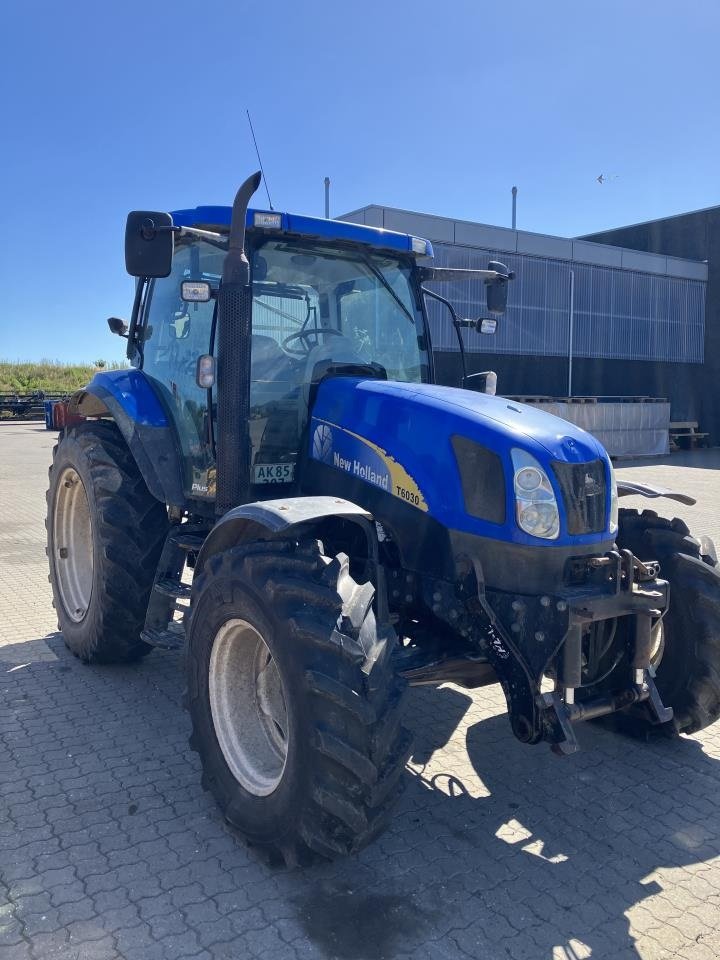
(592, 487)
(322, 443)
(365, 460)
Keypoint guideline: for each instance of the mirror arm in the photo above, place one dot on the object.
(132, 345)
(457, 324)
(206, 234)
(148, 231)
(445, 274)
(475, 325)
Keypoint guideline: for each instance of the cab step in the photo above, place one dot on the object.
(173, 638)
(161, 629)
(189, 542)
(173, 588)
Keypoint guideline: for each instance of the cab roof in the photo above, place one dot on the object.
(219, 219)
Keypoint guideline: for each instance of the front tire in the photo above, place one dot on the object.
(295, 705)
(688, 665)
(105, 533)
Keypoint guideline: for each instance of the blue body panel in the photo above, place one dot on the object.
(134, 404)
(397, 436)
(132, 391)
(306, 226)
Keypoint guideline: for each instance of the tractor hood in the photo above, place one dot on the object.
(561, 439)
(402, 437)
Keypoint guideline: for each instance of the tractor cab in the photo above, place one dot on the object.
(327, 298)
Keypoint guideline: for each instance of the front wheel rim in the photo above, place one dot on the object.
(73, 545)
(248, 706)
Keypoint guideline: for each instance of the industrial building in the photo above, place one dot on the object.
(629, 312)
(696, 235)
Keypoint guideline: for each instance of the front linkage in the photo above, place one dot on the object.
(521, 642)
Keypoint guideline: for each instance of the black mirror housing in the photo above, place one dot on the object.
(149, 244)
(118, 326)
(497, 291)
(497, 295)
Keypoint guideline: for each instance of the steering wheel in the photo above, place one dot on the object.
(304, 338)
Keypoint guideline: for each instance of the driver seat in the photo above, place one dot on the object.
(334, 348)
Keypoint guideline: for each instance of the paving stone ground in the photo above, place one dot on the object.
(110, 849)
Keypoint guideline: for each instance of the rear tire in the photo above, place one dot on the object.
(688, 670)
(324, 781)
(105, 533)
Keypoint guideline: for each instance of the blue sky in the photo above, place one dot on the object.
(432, 106)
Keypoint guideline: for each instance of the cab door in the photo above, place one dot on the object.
(175, 334)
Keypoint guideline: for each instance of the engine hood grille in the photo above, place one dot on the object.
(584, 492)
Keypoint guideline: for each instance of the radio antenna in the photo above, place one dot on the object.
(262, 170)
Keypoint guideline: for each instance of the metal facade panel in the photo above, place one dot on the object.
(619, 314)
(374, 217)
(542, 246)
(481, 235)
(599, 253)
(370, 216)
(355, 216)
(487, 237)
(420, 225)
(691, 269)
(638, 260)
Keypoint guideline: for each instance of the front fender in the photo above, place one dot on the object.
(253, 521)
(130, 399)
(626, 488)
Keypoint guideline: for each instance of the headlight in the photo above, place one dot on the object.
(528, 479)
(614, 510)
(536, 508)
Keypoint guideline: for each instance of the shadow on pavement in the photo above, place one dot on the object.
(560, 848)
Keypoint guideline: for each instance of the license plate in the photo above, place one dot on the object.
(274, 472)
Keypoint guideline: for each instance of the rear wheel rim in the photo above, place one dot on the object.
(73, 545)
(249, 712)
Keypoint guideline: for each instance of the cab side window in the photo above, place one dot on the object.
(175, 335)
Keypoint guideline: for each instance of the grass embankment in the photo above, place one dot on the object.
(49, 376)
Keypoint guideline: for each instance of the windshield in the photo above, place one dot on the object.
(321, 303)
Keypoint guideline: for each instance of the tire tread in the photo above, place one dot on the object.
(130, 526)
(358, 747)
(693, 619)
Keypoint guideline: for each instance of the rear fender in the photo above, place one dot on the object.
(130, 400)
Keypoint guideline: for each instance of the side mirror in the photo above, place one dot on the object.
(149, 244)
(497, 291)
(118, 326)
(485, 382)
(179, 327)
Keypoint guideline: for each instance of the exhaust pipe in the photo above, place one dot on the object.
(233, 362)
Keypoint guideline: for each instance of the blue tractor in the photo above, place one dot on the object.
(279, 486)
